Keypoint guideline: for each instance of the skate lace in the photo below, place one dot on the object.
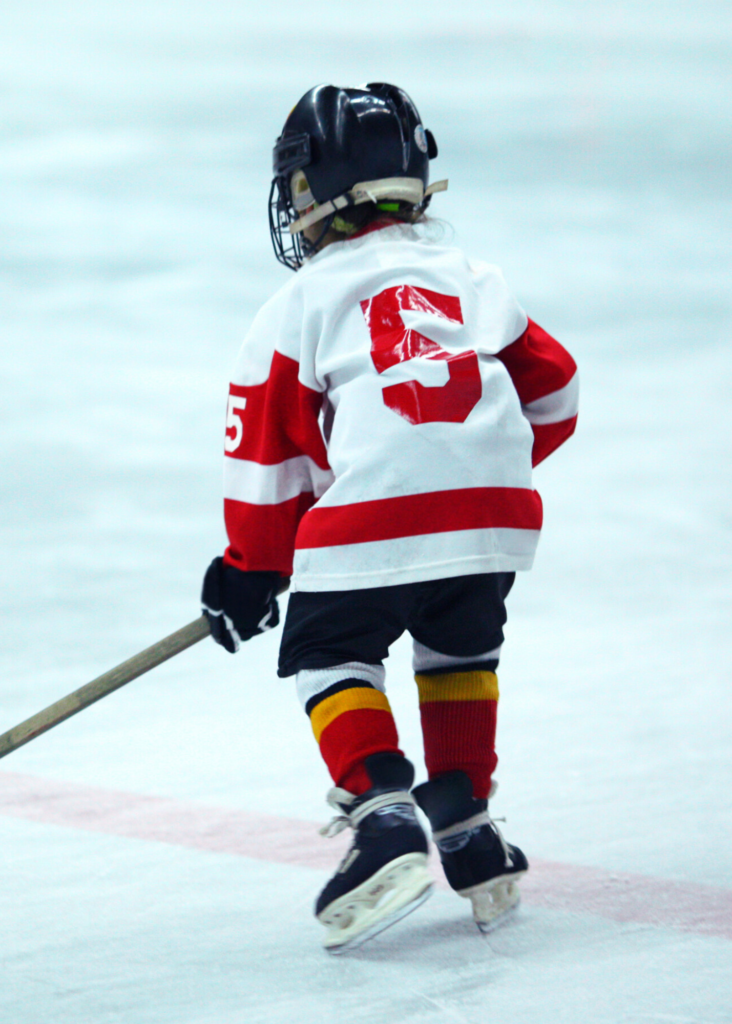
(337, 798)
(507, 855)
(457, 836)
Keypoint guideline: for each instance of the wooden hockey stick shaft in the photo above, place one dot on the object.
(104, 684)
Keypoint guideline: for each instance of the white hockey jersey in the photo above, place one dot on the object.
(385, 406)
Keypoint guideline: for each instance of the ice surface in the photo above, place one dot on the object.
(588, 151)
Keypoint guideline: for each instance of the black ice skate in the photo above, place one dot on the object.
(478, 863)
(384, 876)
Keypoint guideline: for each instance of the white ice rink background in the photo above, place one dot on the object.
(159, 852)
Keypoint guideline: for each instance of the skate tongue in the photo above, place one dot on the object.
(342, 800)
(394, 800)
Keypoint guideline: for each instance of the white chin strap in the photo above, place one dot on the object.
(407, 190)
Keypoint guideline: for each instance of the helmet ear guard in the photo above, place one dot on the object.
(302, 196)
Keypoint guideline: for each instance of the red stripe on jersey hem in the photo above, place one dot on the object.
(412, 515)
(549, 436)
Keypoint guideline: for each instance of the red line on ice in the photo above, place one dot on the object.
(703, 909)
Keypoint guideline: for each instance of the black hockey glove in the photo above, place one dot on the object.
(237, 604)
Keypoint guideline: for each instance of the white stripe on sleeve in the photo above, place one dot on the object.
(559, 405)
(256, 484)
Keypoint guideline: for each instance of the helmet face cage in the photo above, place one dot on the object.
(290, 250)
(290, 154)
(287, 247)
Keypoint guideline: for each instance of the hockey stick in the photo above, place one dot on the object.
(107, 683)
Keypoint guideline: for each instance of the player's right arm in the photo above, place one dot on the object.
(275, 468)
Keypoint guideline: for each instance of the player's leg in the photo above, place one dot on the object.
(458, 706)
(458, 634)
(457, 630)
(336, 643)
(350, 717)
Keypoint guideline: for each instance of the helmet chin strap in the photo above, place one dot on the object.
(409, 190)
(311, 247)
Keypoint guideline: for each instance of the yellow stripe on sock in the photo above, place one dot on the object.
(457, 686)
(354, 699)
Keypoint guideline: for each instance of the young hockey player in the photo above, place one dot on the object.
(385, 411)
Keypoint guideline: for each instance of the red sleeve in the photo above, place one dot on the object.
(545, 377)
(275, 462)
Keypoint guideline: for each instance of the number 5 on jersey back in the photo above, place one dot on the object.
(392, 342)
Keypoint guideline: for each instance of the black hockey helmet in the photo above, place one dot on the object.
(342, 147)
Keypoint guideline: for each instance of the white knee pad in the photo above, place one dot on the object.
(312, 681)
(426, 660)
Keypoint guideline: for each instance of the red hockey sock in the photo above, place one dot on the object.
(351, 721)
(458, 711)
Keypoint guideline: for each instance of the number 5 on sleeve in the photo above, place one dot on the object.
(233, 422)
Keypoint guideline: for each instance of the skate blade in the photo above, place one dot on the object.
(494, 901)
(385, 898)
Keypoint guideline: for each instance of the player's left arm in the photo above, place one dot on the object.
(545, 377)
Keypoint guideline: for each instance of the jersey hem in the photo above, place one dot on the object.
(317, 582)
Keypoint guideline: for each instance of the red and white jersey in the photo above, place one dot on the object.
(385, 406)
